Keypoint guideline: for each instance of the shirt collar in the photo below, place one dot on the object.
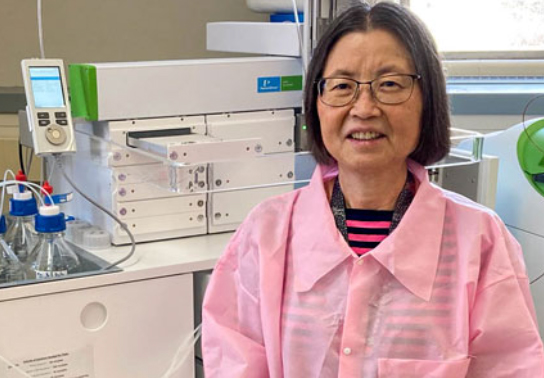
(412, 248)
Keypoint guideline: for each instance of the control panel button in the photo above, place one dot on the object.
(62, 122)
(55, 135)
(60, 114)
(44, 122)
(43, 115)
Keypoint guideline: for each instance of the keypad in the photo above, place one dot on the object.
(60, 118)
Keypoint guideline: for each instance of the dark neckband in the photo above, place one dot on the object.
(338, 205)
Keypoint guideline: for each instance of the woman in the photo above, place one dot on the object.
(371, 271)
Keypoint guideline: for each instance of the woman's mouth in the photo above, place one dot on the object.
(368, 135)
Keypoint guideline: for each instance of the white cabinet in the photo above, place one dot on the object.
(120, 330)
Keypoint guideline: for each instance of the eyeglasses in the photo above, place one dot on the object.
(388, 89)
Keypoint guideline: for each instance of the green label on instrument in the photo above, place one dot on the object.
(291, 83)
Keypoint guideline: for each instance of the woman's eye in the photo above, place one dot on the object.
(341, 86)
(389, 84)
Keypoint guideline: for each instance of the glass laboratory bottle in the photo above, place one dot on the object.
(52, 256)
(11, 268)
(21, 235)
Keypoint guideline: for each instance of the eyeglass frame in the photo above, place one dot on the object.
(414, 77)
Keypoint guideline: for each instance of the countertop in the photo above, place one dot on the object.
(150, 260)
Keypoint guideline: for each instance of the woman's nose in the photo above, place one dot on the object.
(364, 105)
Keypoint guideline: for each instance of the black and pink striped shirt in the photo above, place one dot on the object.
(367, 228)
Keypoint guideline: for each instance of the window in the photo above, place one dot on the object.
(484, 28)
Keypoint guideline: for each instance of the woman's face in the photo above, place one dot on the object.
(366, 134)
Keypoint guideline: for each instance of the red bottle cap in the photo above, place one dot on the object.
(20, 176)
(47, 188)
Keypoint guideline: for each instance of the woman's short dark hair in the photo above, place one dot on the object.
(434, 140)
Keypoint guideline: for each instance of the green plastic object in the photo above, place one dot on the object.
(531, 154)
(83, 91)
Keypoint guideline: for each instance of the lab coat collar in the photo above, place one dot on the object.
(412, 250)
(317, 245)
(410, 253)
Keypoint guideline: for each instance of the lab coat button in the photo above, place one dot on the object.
(347, 351)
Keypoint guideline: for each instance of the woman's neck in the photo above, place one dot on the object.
(377, 190)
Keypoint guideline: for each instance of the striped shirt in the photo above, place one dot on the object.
(367, 228)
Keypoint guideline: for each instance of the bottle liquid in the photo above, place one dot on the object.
(21, 235)
(11, 268)
(52, 256)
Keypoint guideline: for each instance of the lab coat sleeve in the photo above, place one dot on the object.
(232, 340)
(504, 336)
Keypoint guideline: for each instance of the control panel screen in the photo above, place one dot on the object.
(46, 87)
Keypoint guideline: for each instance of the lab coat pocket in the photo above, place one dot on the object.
(397, 368)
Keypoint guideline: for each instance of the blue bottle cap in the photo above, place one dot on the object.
(50, 223)
(2, 224)
(23, 207)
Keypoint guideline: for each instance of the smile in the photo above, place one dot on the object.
(370, 135)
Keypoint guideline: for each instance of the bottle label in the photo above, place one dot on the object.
(40, 274)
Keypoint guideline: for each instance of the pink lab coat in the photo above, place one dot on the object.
(446, 295)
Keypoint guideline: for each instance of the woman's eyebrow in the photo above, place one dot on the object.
(387, 69)
(342, 72)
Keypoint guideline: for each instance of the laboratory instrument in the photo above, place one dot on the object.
(520, 201)
(182, 148)
(48, 108)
